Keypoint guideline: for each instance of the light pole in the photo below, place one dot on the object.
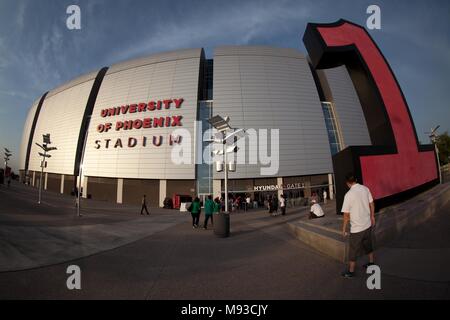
(222, 228)
(45, 155)
(6, 158)
(434, 139)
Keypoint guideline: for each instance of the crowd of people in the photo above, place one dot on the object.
(211, 207)
(276, 205)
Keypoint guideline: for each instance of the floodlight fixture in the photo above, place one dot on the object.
(40, 146)
(230, 149)
(435, 129)
(46, 138)
(220, 123)
(239, 133)
(44, 155)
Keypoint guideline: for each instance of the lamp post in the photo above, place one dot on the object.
(6, 158)
(7, 155)
(434, 139)
(222, 226)
(45, 155)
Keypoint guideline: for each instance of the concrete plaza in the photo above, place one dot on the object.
(123, 255)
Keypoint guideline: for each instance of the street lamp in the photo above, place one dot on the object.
(6, 158)
(225, 134)
(45, 155)
(434, 140)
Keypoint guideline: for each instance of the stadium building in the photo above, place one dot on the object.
(119, 125)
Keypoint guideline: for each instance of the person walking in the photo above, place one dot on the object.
(270, 204)
(195, 212)
(75, 193)
(275, 205)
(209, 210)
(217, 206)
(248, 201)
(358, 209)
(236, 204)
(144, 205)
(325, 195)
(283, 204)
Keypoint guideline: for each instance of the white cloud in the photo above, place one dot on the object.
(230, 25)
(43, 64)
(17, 94)
(20, 18)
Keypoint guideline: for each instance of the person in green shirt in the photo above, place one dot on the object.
(209, 210)
(195, 209)
(217, 205)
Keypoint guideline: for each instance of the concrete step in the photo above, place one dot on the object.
(322, 239)
(325, 234)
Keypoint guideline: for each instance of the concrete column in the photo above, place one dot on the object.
(217, 188)
(45, 181)
(308, 189)
(85, 187)
(279, 183)
(119, 190)
(34, 178)
(162, 192)
(61, 188)
(330, 186)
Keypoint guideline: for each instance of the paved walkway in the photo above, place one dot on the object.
(261, 260)
(33, 235)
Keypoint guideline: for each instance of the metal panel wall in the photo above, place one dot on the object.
(134, 189)
(348, 109)
(164, 76)
(26, 134)
(61, 116)
(263, 87)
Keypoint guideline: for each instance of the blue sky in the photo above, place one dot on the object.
(38, 52)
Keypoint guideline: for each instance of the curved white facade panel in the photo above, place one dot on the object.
(271, 88)
(74, 82)
(158, 95)
(348, 109)
(61, 115)
(26, 134)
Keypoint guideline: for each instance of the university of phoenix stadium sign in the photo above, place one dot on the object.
(140, 123)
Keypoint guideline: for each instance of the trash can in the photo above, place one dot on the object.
(222, 225)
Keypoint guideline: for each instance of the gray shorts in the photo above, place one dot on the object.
(360, 243)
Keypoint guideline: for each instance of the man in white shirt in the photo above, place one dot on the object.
(283, 204)
(247, 202)
(359, 209)
(325, 195)
(316, 210)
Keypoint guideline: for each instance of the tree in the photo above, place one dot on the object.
(443, 144)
